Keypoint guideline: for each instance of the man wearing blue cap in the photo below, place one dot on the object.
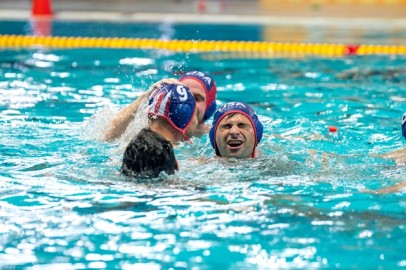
(236, 131)
(204, 90)
(200, 84)
(172, 117)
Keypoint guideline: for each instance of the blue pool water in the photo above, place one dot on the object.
(303, 204)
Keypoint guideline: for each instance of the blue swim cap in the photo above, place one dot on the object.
(209, 86)
(236, 107)
(404, 125)
(175, 103)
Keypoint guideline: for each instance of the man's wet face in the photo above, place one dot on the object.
(199, 94)
(235, 136)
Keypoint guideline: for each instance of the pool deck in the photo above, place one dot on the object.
(294, 12)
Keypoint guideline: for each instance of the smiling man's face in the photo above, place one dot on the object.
(235, 136)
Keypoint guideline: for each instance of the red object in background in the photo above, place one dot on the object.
(41, 22)
(351, 49)
(332, 129)
(201, 6)
(41, 8)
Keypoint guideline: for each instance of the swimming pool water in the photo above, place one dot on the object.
(168, 30)
(303, 204)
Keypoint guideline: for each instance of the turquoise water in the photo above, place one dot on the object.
(319, 33)
(303, 204)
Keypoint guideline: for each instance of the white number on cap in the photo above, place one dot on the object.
(182, 93)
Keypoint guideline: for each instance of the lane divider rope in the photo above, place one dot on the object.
(320, 49)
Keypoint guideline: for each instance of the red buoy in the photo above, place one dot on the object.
(332, 129)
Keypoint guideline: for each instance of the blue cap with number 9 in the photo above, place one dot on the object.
(175, 103)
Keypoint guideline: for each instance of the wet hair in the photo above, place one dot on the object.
(147, 155)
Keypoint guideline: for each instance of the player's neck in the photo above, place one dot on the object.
(163, 128)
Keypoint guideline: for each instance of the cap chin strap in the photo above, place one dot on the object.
(210, 110)
(253, 152)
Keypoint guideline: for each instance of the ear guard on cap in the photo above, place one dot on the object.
(404, 125)
(210, 88)
(210, 110)
(235, 107)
